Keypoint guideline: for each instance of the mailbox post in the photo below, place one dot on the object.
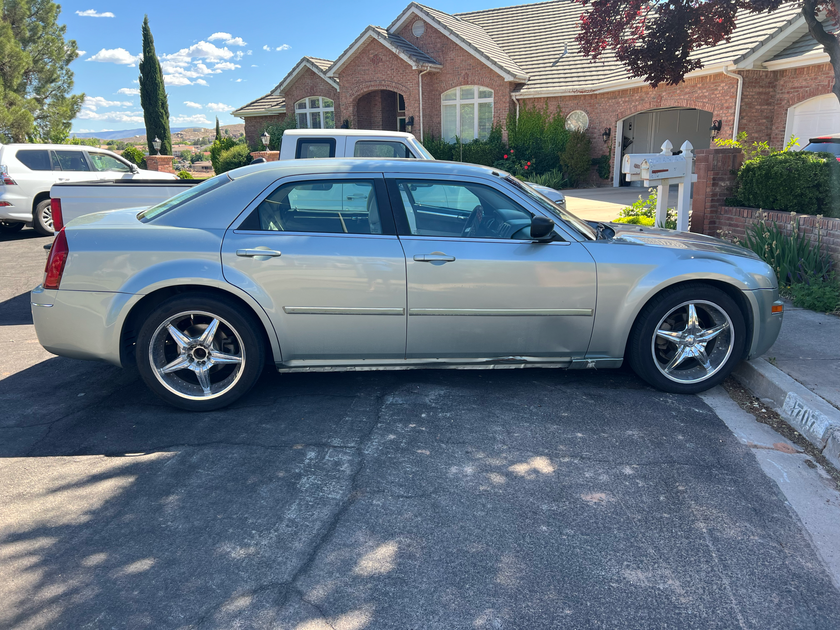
(662, 170)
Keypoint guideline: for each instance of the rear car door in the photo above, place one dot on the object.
(321, 255)
(478, 286)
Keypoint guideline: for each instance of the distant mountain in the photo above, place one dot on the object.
(140, 134)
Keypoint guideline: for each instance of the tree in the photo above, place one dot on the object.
(35, 78)
(153, 97)
(655, 38)
(218, 129)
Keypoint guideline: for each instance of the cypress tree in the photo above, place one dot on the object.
(218, 129)
(153, 95)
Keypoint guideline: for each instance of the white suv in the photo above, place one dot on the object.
(27, 171)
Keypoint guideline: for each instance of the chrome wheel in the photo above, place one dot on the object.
(693, 342)
(47, 218)
(197, 355)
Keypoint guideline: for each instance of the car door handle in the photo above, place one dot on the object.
(434, 257)
(258, 253)
(360, 196)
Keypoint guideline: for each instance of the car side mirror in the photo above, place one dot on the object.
(134, 168)
(542, 228)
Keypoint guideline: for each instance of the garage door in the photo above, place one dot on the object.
(818, 116)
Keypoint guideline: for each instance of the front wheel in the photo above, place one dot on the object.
(198, 353)
(688, 339)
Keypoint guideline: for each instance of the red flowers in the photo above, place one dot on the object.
(505, 156)
(529, 164)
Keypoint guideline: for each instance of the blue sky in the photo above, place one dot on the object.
(216, 56)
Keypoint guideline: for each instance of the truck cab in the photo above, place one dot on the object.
(331, 143)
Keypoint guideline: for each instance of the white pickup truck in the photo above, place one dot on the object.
(78, 199)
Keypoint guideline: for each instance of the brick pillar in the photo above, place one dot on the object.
(270, 156)
(716, 175)
(161, 163)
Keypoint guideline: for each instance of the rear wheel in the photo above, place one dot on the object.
(197, 353)
(42, 220)
(11, 227)
(688, 339)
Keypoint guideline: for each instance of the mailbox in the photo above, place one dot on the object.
(631, 164)
(662, 167)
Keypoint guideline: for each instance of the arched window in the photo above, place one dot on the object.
(315, 112)
(467, 112)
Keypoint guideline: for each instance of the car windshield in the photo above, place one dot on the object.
(424, 154)
(181, 198)
(567, 217)
(823, 147)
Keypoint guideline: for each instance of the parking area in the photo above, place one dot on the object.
(418, 499)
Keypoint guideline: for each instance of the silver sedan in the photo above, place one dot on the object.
(368, 264)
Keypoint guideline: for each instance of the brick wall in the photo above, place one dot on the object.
(716, 176)
(255, 125)
(733, 222)
(794, 86)
(308, 83)
(758, 105)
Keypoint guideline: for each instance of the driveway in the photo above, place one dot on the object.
(426, 499)
(605, 204)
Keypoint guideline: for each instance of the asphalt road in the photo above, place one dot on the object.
(428, 499)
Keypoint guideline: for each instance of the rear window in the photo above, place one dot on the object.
(35, 159)
(823, 147)
(381, 149)
(149, 214)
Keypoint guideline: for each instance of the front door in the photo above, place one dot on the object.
(478, 287)
(320, 254)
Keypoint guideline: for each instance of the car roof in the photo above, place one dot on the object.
(328, 166)
(346, 132)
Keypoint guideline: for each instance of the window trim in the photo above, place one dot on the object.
(386, 210)
(458, 101)
(310, 110)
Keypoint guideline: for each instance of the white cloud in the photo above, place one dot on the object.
(94, 102)
(196, 119)
(122, 117)
(129, 91)
(250, 52)
(239, 55)
(253, 65)
(193, 105)
(115, 55)
(92, 13)
(81, 52)
(201, 50)
(237, 81)
(218, 107)
(83, 131)
(284, 47)
(175, 80)
(226, 65)
(268, 48)
(201, 82)
(216, 36)
(229, 39)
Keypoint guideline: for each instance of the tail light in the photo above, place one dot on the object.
(7, 180)
(56, 261)
(58, 220)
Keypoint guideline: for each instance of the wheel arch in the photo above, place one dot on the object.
(134, 318)
(41, 196)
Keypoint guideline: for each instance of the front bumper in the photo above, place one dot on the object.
(766, 324)
(81, 324)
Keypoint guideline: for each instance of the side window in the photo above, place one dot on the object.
(104, 162)
(35, 160)
(72, 161)
(338, 206)
(315, 148)
(382, 149)
(465, 210)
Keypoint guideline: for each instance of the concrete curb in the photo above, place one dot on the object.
(808, 413)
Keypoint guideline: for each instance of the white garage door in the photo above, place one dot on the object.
(818, 116)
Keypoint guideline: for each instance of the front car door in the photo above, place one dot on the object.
(321, 255)
(109, 167)
(478, 286)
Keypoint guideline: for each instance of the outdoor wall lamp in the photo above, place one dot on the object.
(156, 145)
(265, 139)
(715, 128)
(409, 124)
(606, 135)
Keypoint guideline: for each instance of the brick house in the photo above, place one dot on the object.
(449, 75)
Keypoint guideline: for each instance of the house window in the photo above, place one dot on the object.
(467, 112)
(315, 112)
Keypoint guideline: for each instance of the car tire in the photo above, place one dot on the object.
(195, 370)
(42, 219)
(681, 352)
(11, 227)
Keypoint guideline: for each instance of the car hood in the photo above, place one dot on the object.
(658, 237)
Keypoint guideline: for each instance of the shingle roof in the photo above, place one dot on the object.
(276, 104)
(320, 65)
(805, 45)
(476, 37)
(540, 38)
(410, 50)
(323, 64)
(400, 44)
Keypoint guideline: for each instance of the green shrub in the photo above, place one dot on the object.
(185, 175)
(537, 136)
(553, 179)
(275, 133)
(636, 220)
(219, 146)
(804, 182)
(135, 156)
(575, 158)
(486, 152)
(602, 164)
(794, 258)
(817, 293)
(232, 158)
(643, 212)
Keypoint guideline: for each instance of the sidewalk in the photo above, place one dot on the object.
(800, 377)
